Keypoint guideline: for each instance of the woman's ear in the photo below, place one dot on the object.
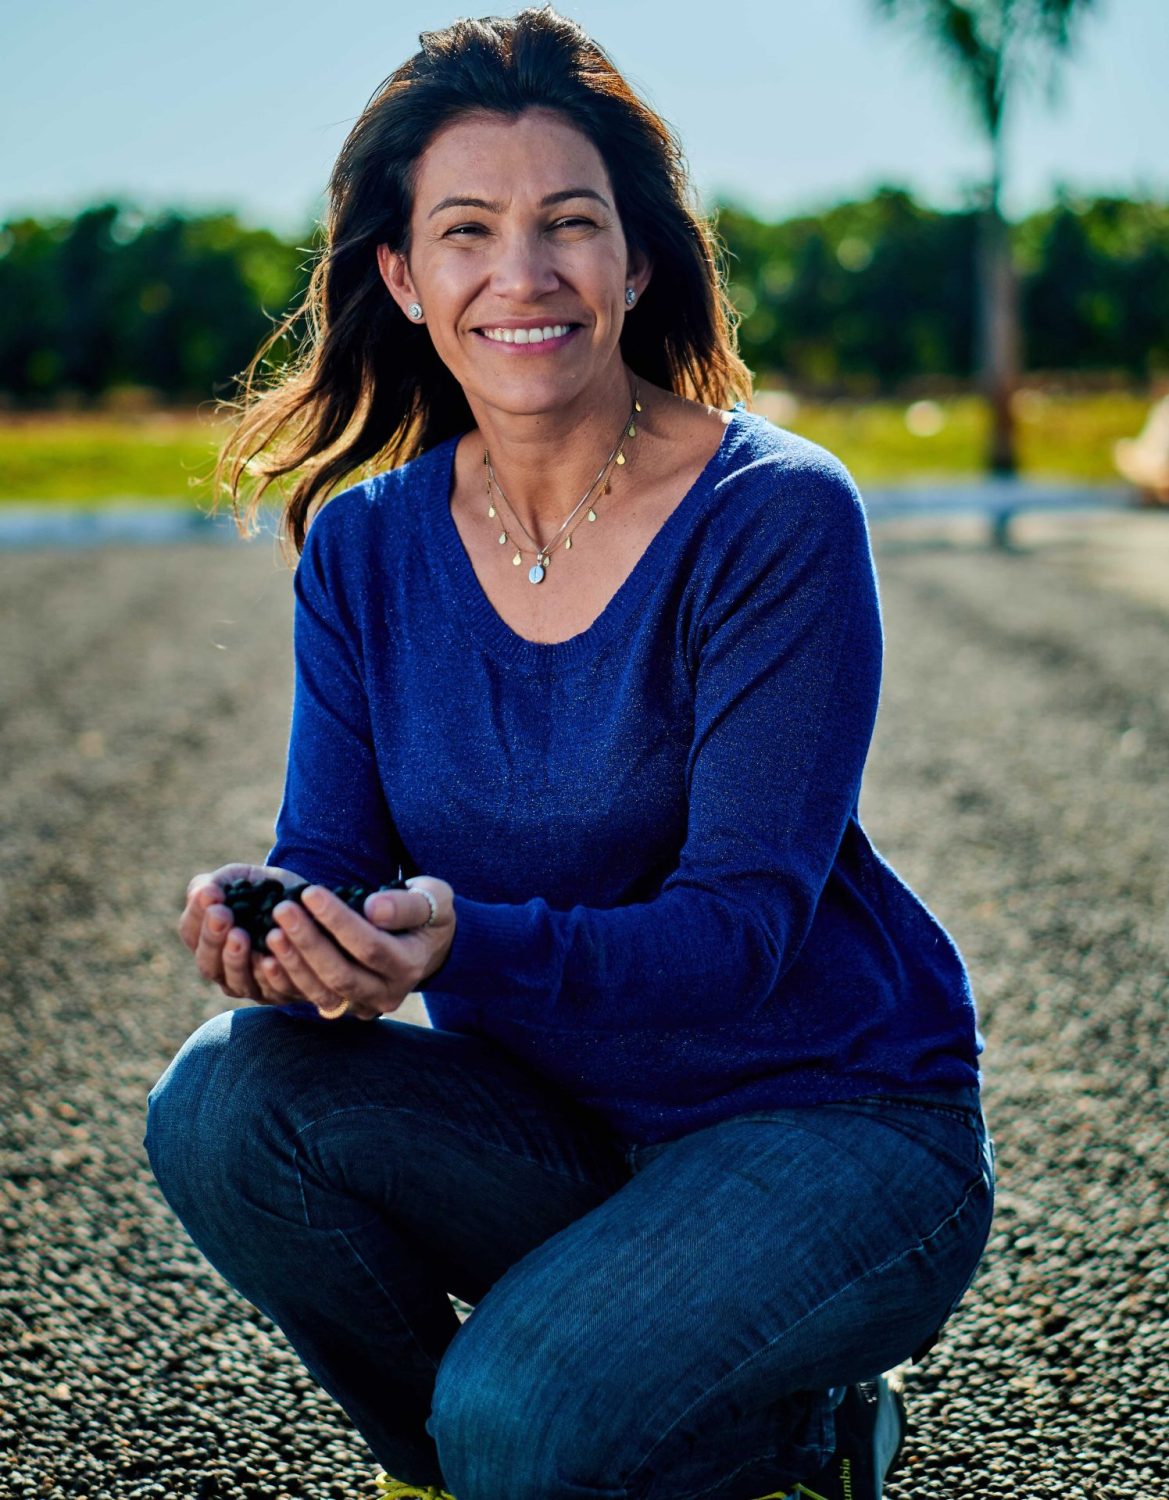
(640, 269)
(395, 272)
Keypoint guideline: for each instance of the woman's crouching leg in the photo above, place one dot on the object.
(688, 1338)
(253, 1134)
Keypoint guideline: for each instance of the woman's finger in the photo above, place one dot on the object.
(304, 954)
(216, 924)
(275, 986)
(238, 979)
(398, 911)
(202, 893)
(225, 874)
(346, 935)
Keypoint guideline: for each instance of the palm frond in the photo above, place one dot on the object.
(991, 47)
(958, 33)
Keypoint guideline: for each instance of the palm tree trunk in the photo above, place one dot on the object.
(999, 324)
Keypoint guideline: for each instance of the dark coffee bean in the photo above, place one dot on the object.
(253, 902)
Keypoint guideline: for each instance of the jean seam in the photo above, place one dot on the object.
(971, 1189)
(357, 1255)
(925, 1107)
(972, 1121)
(345, 1237)
(479, 1142)
(864, 1101)
(724, 1479)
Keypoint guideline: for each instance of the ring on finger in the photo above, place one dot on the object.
(335, 1011)
(421, 891)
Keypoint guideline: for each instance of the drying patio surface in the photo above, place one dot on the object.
(1019, 781)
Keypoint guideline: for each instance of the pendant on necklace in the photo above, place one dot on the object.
(535, 573)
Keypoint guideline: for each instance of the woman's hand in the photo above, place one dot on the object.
(343, 963)
(362, 966)
(223, 952)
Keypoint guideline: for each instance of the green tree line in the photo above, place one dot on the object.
(862, 298)
(868, 296)
(175, 303)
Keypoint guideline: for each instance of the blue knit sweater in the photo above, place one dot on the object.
(665, 901)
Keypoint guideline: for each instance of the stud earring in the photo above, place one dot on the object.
(415, 310)
(630, 296)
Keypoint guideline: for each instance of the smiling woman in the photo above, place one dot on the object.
(473, 262)
(696, 1125)
(418, 185)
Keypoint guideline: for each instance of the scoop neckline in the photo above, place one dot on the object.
(488, 625)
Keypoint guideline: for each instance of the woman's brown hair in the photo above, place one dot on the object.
(366, 384)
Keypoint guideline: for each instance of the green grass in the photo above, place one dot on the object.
(1067, 437)
(91, 460)
(167, 458)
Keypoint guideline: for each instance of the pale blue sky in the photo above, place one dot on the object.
(781, 104)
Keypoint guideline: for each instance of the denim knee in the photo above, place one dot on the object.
(503, 1427)
(209, 1116)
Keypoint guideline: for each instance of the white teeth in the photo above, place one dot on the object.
(526, 335)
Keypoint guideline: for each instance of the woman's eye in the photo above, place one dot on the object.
(473, 231)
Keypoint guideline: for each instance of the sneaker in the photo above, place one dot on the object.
(870, 1430)
(397, 1489)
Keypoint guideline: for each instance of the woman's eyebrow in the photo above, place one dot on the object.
(576, 192)
(492, 206)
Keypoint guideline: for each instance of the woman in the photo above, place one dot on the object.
(595, 660)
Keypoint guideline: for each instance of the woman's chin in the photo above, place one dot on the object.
(534, 390)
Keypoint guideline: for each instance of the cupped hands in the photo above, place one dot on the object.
(342, 962)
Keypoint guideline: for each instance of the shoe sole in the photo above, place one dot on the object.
(891, 1409)
(899, 1414)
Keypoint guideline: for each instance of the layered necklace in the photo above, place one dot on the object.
(600, 485)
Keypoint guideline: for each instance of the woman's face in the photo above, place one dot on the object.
(519, 261)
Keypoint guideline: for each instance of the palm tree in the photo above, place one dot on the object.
(994, 48)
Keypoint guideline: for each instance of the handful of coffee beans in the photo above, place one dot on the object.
(252, 903)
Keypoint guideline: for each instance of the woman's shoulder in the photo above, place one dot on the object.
(781, 484)
(754, 455)
(765, 454)
(754, 452)
(390, 502)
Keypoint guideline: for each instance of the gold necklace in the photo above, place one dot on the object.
(544, 551)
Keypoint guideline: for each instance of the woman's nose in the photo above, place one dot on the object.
(524, 269)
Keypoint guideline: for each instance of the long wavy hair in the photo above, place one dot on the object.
(365, 390)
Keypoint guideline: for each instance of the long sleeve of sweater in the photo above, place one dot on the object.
(334, 826)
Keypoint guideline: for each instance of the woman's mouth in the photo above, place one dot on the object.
(545, 336)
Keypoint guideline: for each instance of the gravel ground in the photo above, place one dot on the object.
(1020, 781)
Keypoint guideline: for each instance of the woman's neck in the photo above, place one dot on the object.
(545, 462)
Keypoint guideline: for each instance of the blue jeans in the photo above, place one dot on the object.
(665, 1322)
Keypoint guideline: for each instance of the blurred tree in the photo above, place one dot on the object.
(993, 47)
(861, 296)
(1096, 286)
(111, 297)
